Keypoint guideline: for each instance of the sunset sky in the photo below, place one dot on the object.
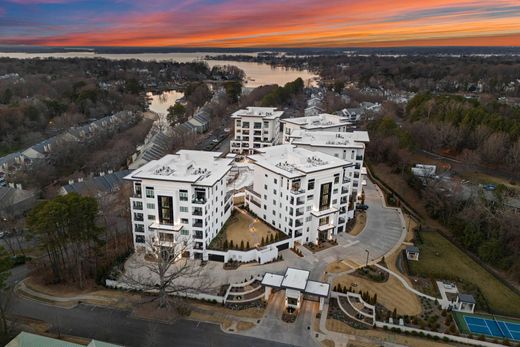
(266, 23)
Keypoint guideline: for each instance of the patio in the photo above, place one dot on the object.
(242, 227)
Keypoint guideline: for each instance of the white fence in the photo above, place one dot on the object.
(197, 296)
(261, 255)
(441, 336)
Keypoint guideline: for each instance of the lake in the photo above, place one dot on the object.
(159, 103)
(257, 74)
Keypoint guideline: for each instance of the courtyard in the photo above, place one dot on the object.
(242, 228)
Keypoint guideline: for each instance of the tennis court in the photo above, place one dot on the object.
(493, 327)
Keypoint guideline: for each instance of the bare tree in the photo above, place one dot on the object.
(166, 270)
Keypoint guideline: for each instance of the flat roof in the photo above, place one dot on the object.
(272, 280)
(291, 161)
(321, 121)
(353, 139)
(263, 112)
(468, 298)
(199, 167)
(317, 288)
(295, 278)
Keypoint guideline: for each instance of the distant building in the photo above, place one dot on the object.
(153, 149)
(181, 198)
(348, 146)
(464, 303)
(352, 114)
(255, 128)
(313, 111)
(302, 193)
(424, 171)
(322, 122)
(97, 186)
(25, 339)
(412, 253)
(14, 202)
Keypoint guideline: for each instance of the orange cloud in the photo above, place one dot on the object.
(297, 23)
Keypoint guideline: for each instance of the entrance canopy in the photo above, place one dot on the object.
(296, 279)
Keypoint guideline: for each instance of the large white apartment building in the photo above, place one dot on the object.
(255, 128)
(349, 146)
(302, 193)
(181, 197)
(321, 122)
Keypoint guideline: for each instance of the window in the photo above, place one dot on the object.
(310, 184)
(185, 221)
(183, 208)
(324, 220)
(165, 209)
(185, 232)
(336, 178)
(325, 196)
(137, 190)
(308, 219)
(139, 228)
(149, 192)
(151, 217)
(150, 206)
(139, 238)
(245, 124)
(183, 195)
(275, 180)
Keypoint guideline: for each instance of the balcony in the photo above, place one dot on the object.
(197, 199)
(300, 202)
(198, 235)
(298, 223)
(359, 157)
(346, 179)
(197, 223)
(138, 217)
(344, 190)
(299, 213)
(197, 211)
(137, 205)
(297, 191)
(137, 195)
(343, 200)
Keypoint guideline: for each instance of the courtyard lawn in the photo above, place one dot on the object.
(440, 259)
(242, 226)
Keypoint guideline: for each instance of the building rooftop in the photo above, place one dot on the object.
(98, 185)
(321, 121)
(264, 112)
(355, 139)
(317, 288)
(412, 249)
(200, 167)
(295, 279)
(290, 161)
(468, 298)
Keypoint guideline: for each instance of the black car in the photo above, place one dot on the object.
(362, 207)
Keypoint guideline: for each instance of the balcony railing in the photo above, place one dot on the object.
(197, 224)
(298, 223)
(198, 200)
(138, 218)
(344, 190)
(346, 180)
(299, 213)
(300, 202)
(197, 211)
(297, 191)
(137, 206)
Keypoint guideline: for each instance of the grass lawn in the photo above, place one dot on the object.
(440, 259)
(242, 226)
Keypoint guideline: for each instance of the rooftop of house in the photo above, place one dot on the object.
(355, 139)
(467, 298)
(290, 161)
(321, 121)
(412, 249)
(199, 167)
(264, 112)
(295, 279)
(98, 185)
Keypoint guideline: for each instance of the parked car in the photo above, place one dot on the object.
(362, 207)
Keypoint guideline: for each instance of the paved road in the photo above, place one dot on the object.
(118, 327)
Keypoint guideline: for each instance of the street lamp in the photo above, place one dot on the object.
(366, 250)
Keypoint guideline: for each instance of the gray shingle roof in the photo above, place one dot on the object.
(100, 184)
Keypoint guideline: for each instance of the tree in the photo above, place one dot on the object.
(168, 273)
(233, 90)
(176, 113)
(65, 228)
(5, 290)
(247, 245)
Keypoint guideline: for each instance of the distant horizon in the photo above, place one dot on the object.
(258, 24)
